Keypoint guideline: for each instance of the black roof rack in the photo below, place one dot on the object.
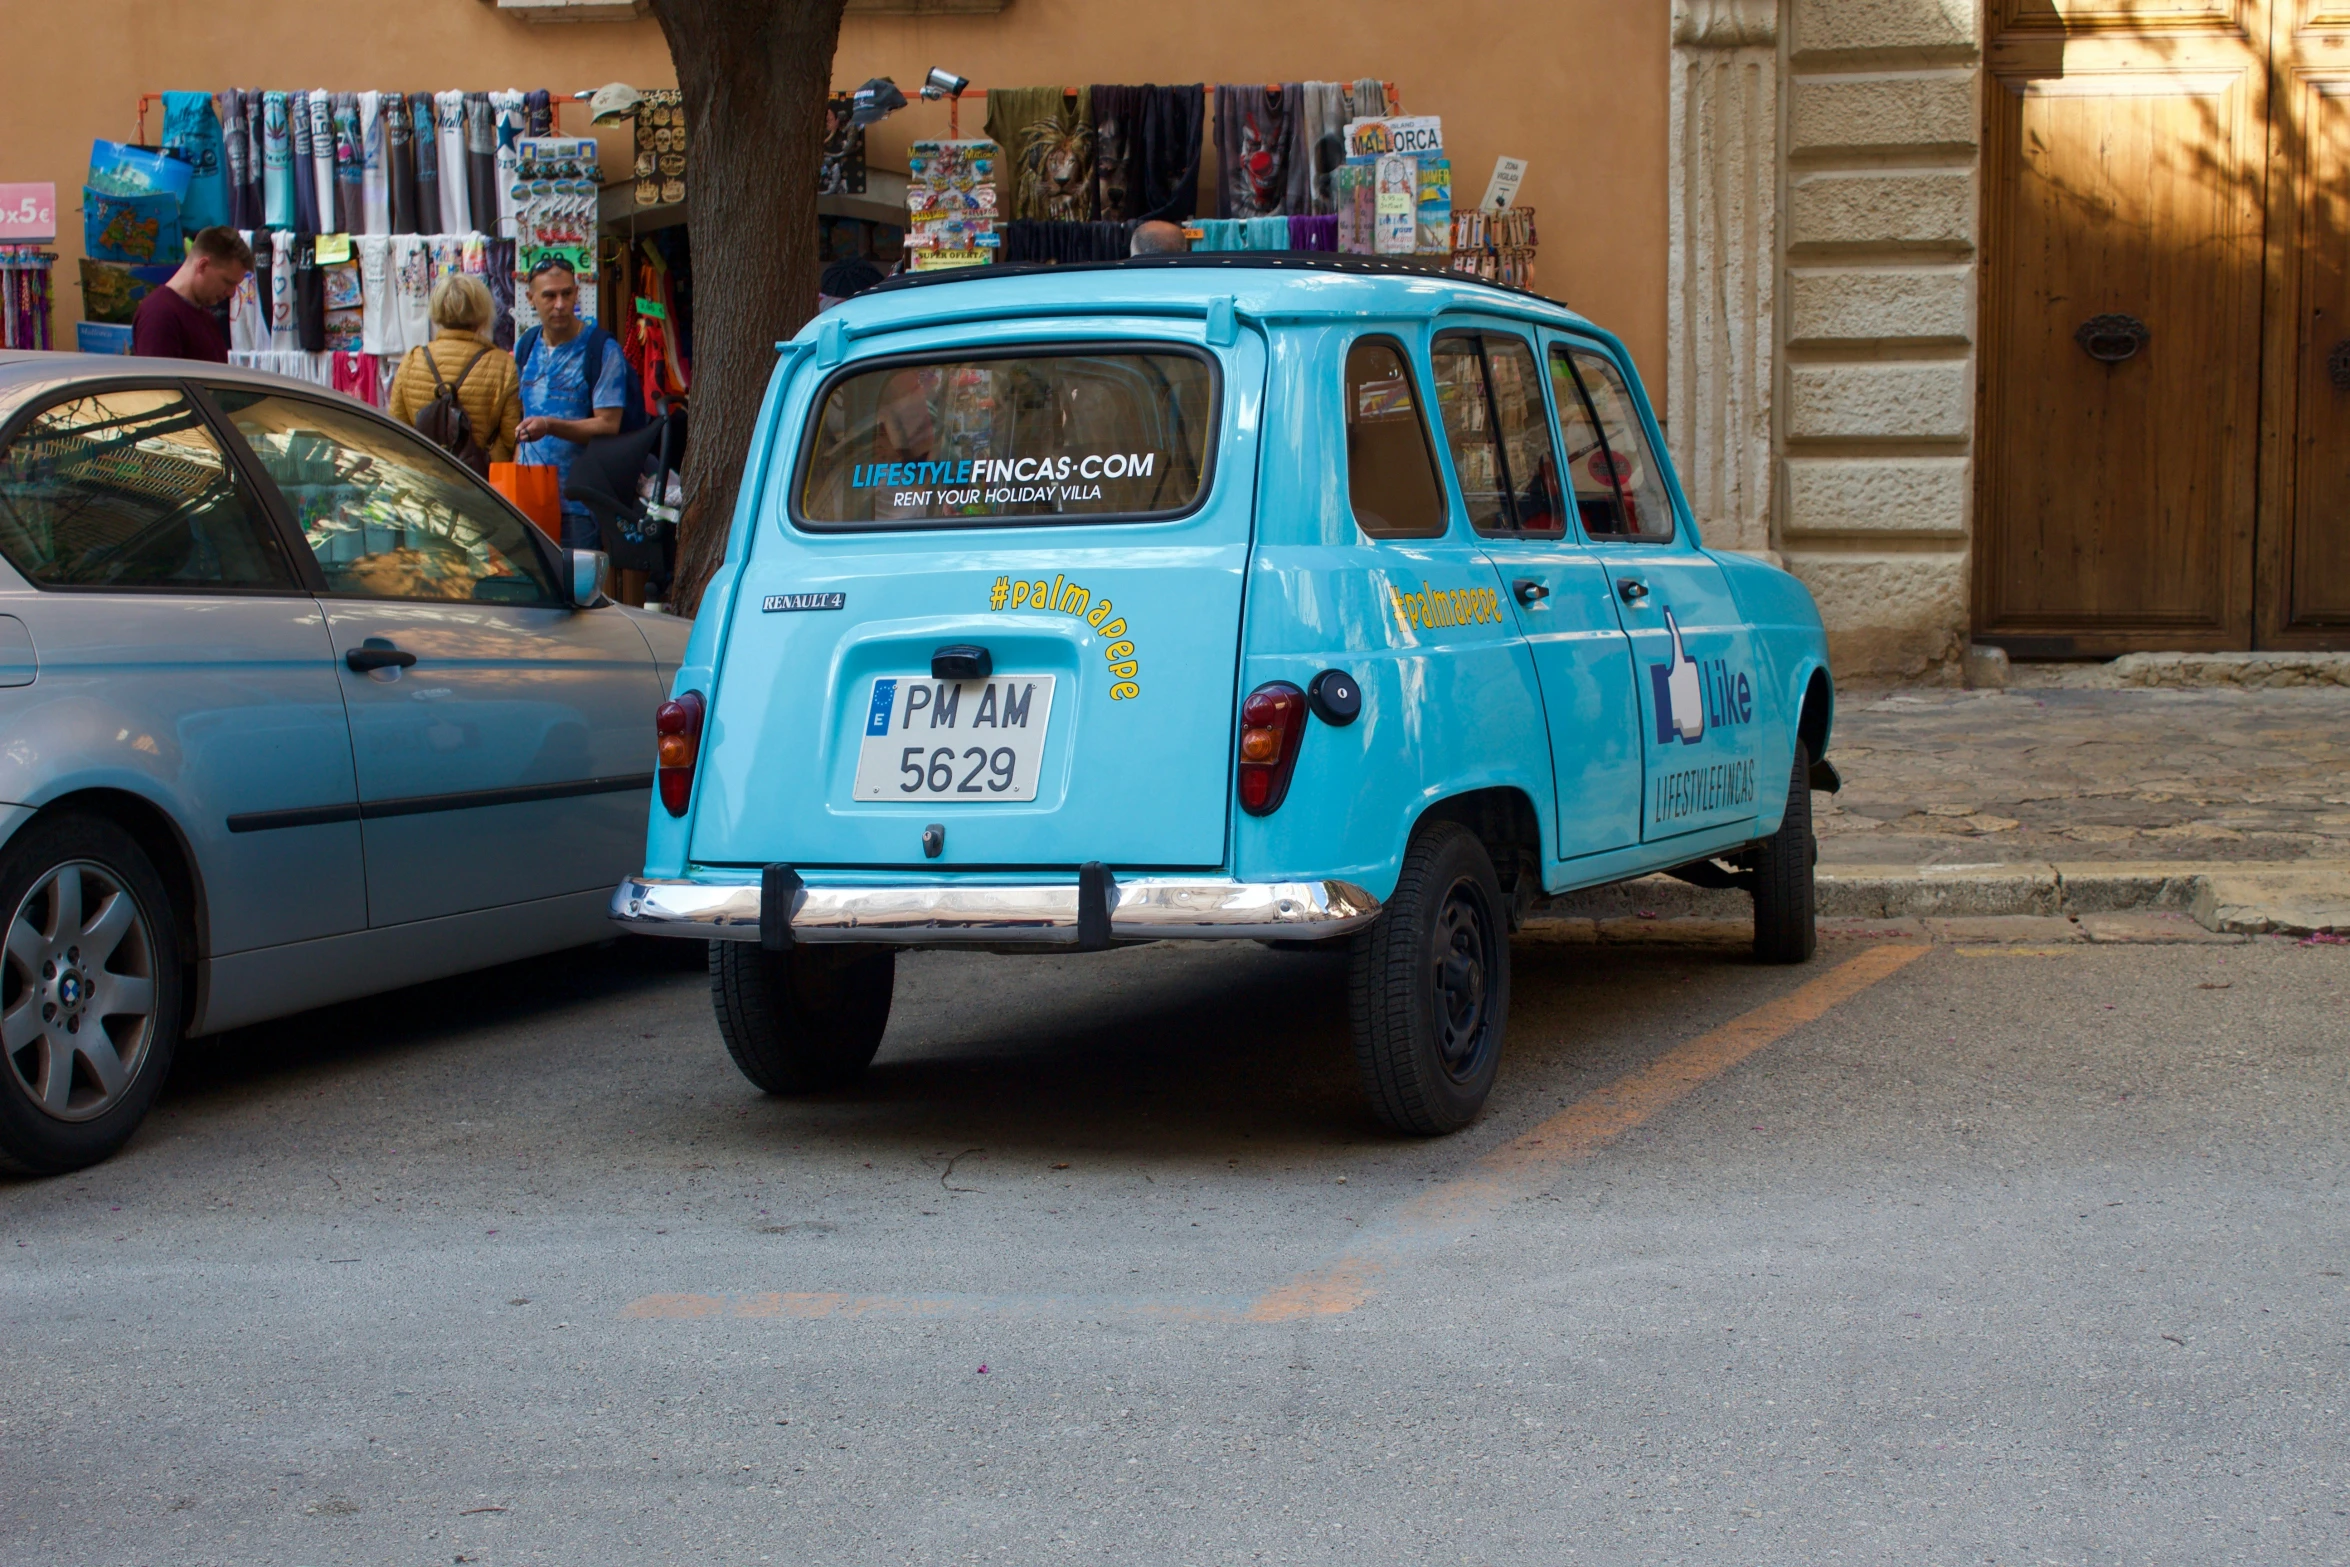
(1215, 260)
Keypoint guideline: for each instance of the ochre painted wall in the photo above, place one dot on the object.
(1577, 87)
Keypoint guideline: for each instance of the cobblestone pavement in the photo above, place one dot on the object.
(1947, 777)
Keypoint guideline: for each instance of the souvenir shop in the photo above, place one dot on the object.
(1064, 174)
(357, 203)
(642, 260)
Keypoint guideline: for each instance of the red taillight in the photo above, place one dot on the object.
(1272, 726)
(678, 725)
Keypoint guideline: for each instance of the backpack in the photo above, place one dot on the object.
(633, 415)
(444, 422)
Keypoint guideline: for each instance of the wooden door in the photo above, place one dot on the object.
(2303, 591)
(2124, 162)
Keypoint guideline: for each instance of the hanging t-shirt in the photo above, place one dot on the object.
(428, 162)
(400, 160)
(499, 254)
(309, 296)
(248, 320)
(322, 161)
(282, 335)
(1256, 143)
(192, 131)
(376, 322)
(555, 383)
(350, 181)
(507, 106)
(411, 291)
(448, 256)
(299, 167)
(236, 158)
(277, 167)
(256, 117)
(264, 264)
(375, 184)
(481, 163)
(449, 139)
(358, 375)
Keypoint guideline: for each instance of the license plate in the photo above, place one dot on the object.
(947, 741)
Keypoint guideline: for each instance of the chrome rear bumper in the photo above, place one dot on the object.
(1044, 914)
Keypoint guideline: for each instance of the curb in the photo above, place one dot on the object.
(2294, 897)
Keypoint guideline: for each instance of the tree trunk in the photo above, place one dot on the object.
(755, 75)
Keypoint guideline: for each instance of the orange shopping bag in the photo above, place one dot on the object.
(536, 489)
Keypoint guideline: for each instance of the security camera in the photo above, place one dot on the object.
(943, 83)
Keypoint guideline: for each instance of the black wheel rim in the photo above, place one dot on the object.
(1461, 971)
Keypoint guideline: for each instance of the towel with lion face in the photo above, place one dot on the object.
(1047, 135)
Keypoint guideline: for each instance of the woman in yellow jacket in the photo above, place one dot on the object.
(490, 391)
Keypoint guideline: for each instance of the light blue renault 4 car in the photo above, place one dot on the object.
(1202, 598)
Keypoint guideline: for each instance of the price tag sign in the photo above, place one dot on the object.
(1502, 190)
(940, 260)
(333, 248)
(28, 212)
(652, 308)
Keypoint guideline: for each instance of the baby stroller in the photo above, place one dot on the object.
(624, 482)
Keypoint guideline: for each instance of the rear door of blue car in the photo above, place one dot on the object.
(1489, 383)
(1064, 506)
(1699, 689)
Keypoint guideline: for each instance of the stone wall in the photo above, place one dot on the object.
(1876, 411)
(1722, 276)
(1821, 322)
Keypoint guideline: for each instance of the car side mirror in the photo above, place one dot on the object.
(587, 577)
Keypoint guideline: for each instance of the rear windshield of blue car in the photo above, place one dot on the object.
(1100, 435)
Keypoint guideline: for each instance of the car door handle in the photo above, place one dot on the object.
(1529, 591)
(1631, 589)
(378, 653)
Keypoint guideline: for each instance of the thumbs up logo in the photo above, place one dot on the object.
(1680, 695)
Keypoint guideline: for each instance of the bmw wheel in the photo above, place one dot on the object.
(89, 993)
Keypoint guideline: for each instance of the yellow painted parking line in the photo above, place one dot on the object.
(813, 1305)
(2021, 951)
(1428, 1222)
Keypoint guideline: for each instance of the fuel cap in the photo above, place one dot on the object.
(1335, 697)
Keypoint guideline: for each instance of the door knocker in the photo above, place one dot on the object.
(2113, 338)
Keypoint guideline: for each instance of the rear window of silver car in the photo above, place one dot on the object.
(1111, 434)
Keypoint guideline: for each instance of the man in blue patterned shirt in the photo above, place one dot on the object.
(574, 388)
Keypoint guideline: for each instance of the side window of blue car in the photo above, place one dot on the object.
(1390, 466)
(130, 489)
(1491, 394)
(1618, 491)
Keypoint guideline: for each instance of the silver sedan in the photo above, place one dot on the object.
(293, 708)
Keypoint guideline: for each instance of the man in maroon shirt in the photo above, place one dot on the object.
(176, 320)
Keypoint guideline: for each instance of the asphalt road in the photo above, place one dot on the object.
(1968, 1255)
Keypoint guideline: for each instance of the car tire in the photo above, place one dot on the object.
(90, 988)
(1429, 986)
(1785, 906)
(804, 1020)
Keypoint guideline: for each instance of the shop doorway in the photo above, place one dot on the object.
(2163, 437)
